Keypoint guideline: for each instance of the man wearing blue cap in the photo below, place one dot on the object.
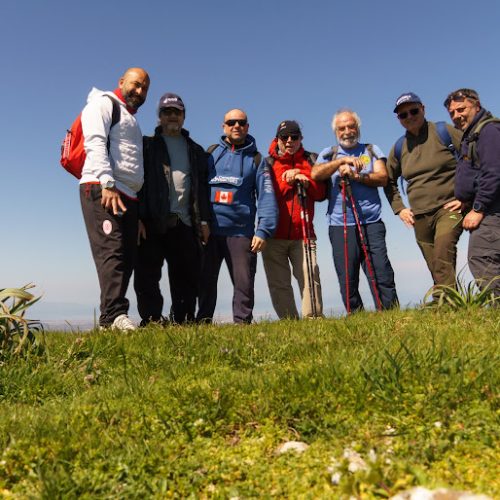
(426, 158)
(174, 212)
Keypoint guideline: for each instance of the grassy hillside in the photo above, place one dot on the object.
(178, 412)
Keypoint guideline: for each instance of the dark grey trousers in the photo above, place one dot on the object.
(484, 253)
(113, 241)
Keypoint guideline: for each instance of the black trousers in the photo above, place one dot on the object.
(113, 241)
(179, 247)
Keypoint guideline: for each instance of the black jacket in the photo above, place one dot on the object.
(154, 203)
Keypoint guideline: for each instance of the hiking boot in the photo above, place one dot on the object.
(123, 322)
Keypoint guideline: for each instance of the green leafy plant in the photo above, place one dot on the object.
(464, 295)
(16, 332)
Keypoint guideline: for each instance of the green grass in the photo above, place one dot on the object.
(199, 412)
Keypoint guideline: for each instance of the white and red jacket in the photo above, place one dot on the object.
(289, 222)
(124, 162)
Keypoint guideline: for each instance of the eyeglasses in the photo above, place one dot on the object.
(461, 95)
(293, 137)
(170, 111)
(232, 123)
(412, 112)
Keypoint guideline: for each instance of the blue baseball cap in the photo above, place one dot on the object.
(406, 97)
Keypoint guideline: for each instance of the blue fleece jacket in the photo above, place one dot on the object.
(239, 190)
(480, 183)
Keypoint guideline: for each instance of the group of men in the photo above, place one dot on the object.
(147, 200)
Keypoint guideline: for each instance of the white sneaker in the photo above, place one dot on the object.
(123, 322)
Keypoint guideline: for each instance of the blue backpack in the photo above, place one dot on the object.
(444, 137)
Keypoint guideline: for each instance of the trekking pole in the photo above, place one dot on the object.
(369, 266)
(306, 237)
(346, 256)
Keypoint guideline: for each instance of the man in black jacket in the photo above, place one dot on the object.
(174, 215)
(477, 184)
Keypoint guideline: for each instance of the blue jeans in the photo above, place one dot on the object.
(374, 236)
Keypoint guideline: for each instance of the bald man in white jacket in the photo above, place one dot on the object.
(112, 175)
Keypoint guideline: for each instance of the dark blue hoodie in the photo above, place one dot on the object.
(239, 190)
(480, 182)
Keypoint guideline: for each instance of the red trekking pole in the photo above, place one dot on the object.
(373, 281)
(306, 237)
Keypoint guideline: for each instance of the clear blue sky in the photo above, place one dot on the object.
(275, 59)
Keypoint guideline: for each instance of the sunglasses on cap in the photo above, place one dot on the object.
(293, 137)
(412, 112)
(460, 96)
(232, 123)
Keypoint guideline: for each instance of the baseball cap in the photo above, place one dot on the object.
(288, 127)
(406, 97)
(170, 100)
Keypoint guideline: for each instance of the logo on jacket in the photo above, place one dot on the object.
(224, 197)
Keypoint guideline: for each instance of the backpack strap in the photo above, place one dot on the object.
(332, 154)
(474, 136)
(310, 157)
(211, 148)
(371, 152)
(445, 138)
(398, 148)
(115, 117)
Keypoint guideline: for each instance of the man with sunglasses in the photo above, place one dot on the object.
(174, 213)
(477, 184)
(240, 189)
(291, 164)
(364, 167)
(427, 162)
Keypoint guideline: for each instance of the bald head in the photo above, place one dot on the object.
(235, 126)
(134, 85)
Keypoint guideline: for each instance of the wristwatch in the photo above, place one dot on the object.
(110, 184)
(478, 207)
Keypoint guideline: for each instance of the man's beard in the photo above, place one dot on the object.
(133, 101)
(350, 142)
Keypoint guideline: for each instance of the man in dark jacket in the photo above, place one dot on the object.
(477, 184)
(174, 214)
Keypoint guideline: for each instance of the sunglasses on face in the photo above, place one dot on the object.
(293, 137)
(460, 96)
(412, 112)
(232, 123)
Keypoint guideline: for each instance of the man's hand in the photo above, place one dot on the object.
(345, 170)
(289, 176)
(141, 232)
(205, 233)
(453, 205)
(406, 215)
(302, 179)
(111, 201)
(258, 244)
(472, 220)
(353, 161)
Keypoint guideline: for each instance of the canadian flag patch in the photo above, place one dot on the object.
(224, 197)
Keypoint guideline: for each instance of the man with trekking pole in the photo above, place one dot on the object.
(294, 243)
(357, 233)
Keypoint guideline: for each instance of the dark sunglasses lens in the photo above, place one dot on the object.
(294, 137)
(412, 112)
(232, 123)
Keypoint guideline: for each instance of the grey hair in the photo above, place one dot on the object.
(341, 111)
